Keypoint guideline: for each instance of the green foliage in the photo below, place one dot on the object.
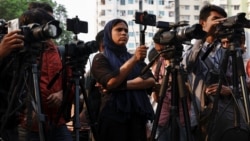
(11, 9)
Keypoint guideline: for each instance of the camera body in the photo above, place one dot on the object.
(77, 52)
(35, 32)
(169, 36)
(232, 25)
(145, 19)
(32, 32)
(77, 26)
(79, 49)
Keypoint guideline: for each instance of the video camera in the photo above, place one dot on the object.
(78, 50)
(33, 32)
(145, 19)
(232, 24)
(171, 33)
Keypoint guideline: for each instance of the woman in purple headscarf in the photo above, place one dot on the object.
(125, 108)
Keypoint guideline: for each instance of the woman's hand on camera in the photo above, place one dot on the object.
(11, 41)
(141, 52)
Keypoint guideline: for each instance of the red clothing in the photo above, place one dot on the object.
(50, 65)
(248, 68)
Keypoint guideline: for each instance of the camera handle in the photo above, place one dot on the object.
(142, 35)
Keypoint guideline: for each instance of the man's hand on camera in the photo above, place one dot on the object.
(11, 41)
(211, 25)
(211, 90)
(55, 99)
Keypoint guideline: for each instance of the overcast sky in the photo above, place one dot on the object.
(86, 11)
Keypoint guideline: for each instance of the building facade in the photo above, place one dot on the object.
(172, 11)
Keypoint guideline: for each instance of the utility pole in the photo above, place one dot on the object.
(177, 11)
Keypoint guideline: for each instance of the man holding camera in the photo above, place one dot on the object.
(49, 64)
(10, 42)
(203, 63)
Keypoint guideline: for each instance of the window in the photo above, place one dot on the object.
(102, 23)
(130, 12)
(236, 7)
(122, 2)
(130, 45)
(131, 34)
(196, 7)
(130, 1)
(122, 13)
(151, 2)
(102, 13)
(130, 23)
(150, 34)
(196, 17)
(103, 2)
(186, 7)
(161, 2)
(161, 13)
(150, 12)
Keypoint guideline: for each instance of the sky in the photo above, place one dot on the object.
(86, 11)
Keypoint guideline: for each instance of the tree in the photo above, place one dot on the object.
(61, 14)
(11, 9)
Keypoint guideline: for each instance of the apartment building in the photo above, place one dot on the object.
(165, 10)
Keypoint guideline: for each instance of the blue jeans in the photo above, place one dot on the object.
(60, 133)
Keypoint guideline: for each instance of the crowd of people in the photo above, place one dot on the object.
(200, 94)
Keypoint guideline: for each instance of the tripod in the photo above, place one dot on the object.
(178, 92)
(75, 65)
(24, 84)
(239, 128)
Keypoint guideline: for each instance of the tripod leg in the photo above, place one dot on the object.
(93, 125)
(77, 125)
(41, 117)
(162, 94)
(183, 96)
(174, 111)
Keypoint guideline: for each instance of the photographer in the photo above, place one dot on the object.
(125, 107)
(204, 76)
(49, 63)
(9, 43)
